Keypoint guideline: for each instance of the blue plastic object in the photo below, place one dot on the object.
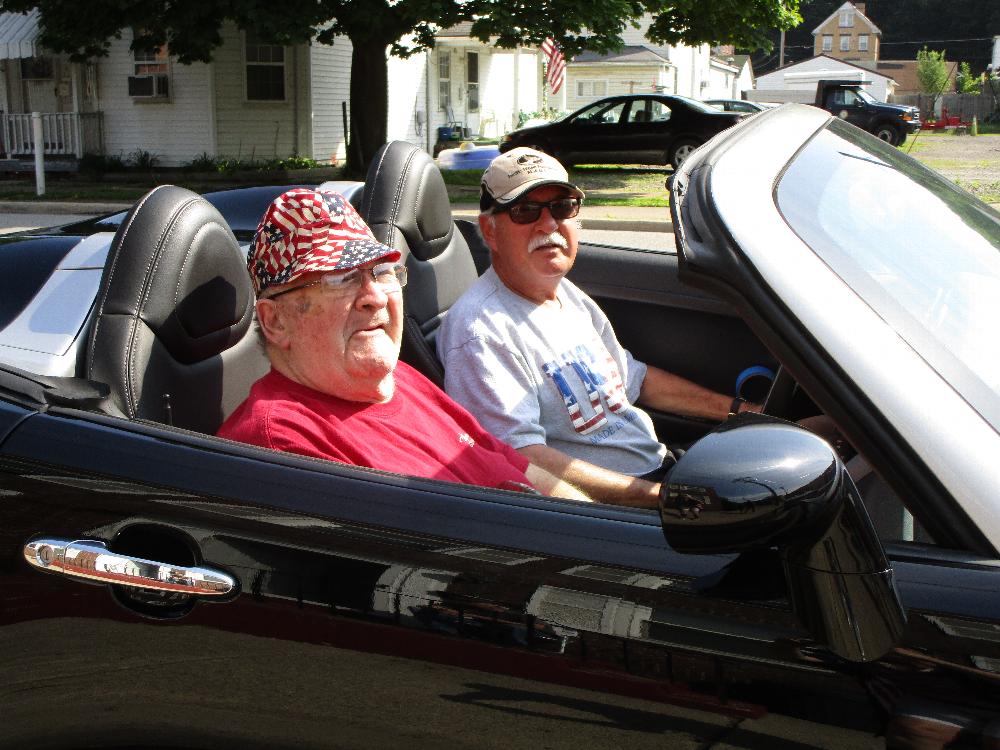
(474, 157)
(756, 380)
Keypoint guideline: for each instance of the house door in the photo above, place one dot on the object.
(40, 84)
(472, 91)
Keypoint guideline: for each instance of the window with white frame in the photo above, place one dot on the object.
(591, 89)
(863, 43)
(265, 70)
(444, 80)
(845, 44)
(150, 77)
(472, 80)
(828, 42)
(847, 17)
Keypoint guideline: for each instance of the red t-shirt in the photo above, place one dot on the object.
(420, 431)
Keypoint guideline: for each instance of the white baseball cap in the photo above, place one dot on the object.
(519, 171)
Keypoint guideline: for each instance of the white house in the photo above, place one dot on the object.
(802, 76)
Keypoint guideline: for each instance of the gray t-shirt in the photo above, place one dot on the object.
(535, 374)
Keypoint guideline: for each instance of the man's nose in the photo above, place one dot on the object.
(371, 293)
(546, 221)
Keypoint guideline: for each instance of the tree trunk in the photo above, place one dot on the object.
(369, 105)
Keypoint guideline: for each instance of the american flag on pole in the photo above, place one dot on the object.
(555, 69)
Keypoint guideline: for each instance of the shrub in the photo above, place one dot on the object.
(142, 159)
(202, 163)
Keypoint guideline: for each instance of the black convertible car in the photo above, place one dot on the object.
(635, 129)
(160, 587)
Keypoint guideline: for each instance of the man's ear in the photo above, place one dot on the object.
(274, 323)
(487, 227)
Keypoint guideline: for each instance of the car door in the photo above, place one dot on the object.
(648, 131)
(593, 133)
(846, 105)
(370, 608)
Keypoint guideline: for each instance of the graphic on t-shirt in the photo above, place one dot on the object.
(598, 385)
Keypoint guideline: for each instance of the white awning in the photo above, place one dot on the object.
(18, 35)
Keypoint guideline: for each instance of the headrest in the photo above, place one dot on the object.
(175, 264)
(405, 195)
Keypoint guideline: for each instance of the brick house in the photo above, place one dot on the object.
(848, 34)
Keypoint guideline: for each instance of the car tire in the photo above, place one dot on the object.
(682, 150)
(889, 133)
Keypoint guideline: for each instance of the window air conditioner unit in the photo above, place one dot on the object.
(148, 87)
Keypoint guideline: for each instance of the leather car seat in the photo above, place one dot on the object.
(406, 205)
(173, 329)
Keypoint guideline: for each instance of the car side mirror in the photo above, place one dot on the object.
(756, 483)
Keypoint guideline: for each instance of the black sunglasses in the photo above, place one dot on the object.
(527, 212)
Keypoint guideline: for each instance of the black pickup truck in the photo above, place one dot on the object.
(847, 100)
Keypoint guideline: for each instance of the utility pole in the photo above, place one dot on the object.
(781, 50)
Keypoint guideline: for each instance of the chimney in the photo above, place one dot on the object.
(860, 7)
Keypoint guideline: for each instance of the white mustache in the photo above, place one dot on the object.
(540, 240)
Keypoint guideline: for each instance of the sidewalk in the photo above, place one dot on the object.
(615, 218)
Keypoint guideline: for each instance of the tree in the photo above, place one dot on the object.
(191, 29)
(932, 73)
(966, 83)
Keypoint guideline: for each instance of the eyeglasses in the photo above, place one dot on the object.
(527, 212)
(390, 277)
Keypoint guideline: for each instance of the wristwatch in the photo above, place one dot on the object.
(734, 408)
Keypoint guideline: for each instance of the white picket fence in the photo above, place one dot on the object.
(70, 134)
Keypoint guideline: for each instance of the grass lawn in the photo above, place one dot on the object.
(970, 162)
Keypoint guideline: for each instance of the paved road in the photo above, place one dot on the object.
(645, 240)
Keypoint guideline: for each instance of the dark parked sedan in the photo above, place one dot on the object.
(160, 587)
(637, 129)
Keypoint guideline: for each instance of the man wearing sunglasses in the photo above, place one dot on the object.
(329, 308)
(535, 359)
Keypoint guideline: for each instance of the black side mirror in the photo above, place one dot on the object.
(757, 483)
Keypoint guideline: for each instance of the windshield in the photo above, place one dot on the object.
(924, 254)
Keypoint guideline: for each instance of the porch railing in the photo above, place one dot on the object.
(70, 134)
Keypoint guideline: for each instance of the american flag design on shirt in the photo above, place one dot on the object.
(303, 231)
(601, 380)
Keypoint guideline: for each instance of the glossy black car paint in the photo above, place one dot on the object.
(578, 139)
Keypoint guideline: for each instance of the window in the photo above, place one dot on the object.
(863, 43)
(472, 79)
(151, 74)
(591, 89)
(648, 110)
(847, 18)
(601, 114)
(845, 44)
(36, 68)
(265, 71)
(444, 80)
(827, 42)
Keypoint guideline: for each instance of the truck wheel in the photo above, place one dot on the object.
(681, 151)
(888, 133)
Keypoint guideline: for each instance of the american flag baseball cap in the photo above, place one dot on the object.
(304, 231)
(519, 171)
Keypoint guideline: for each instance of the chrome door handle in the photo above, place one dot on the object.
(93, 561)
